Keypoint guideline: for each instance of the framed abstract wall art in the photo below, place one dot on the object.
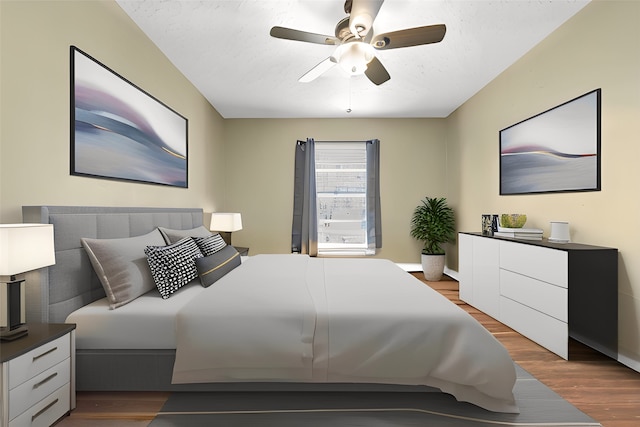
(555, 151)
(119, 131)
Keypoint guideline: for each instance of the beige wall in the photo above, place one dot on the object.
(260, 167)
(598, 48)
(34, 108)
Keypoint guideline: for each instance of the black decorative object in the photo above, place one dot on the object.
(487, 225)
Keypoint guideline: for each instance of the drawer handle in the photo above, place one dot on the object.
(44, 354)
(43, 410)
(49, 378)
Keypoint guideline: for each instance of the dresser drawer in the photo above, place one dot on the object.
(541, 296)
(548, 265)
(547, 331)
(38, 360)
(47, 411)
(38, 387)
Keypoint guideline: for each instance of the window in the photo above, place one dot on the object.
(336, 198)
(341, 190)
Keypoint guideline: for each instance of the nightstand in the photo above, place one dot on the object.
(37, 376)
(242, 251)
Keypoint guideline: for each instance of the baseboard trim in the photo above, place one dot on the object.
(410, 267)
(417, 267)
(451, 273)
(629, 362)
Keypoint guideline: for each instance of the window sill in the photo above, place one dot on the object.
(343, 253)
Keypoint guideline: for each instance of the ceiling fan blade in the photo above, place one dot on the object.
(362, 15)
(410, 37)
(318, 70)
(302, 36)
(376, 72)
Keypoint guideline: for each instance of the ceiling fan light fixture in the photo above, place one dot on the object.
(354, 57)
(362, 14)
(360, 24)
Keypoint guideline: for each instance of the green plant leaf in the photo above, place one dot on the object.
(433, 223)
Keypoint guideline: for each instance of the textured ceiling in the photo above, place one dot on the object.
(224, 49)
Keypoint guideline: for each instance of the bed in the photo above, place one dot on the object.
(275, 322)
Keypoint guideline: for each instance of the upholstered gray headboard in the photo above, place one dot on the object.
(56, 291)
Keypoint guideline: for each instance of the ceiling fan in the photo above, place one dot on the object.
(356, 42)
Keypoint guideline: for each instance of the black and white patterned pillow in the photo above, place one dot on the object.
(211, 244)
(173, 266)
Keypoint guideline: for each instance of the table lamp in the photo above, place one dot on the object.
(225, 223)
(23, 248)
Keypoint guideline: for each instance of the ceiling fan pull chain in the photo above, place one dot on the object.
(349, 107)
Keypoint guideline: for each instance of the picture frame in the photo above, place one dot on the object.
(557, 150)
(119, 131)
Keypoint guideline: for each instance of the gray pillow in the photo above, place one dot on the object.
(172, 235)
(211, 268)
(121, 266)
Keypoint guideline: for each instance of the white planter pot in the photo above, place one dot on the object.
(433, 267)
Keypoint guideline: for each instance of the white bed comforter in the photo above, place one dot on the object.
(299, 319)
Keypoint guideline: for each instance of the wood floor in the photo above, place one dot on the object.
(599, 386)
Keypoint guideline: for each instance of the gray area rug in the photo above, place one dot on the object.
(539, 406)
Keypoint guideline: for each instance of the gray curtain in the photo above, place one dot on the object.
(374, 222)
(304, 233)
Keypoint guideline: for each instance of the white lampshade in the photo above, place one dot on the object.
(225, 222)
(25, 247)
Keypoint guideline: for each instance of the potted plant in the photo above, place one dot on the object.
(433, 223)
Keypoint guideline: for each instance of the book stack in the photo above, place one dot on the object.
(519, 233)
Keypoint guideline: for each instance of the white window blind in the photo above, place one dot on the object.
(341, 189)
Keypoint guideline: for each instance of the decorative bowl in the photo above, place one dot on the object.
(513, 220)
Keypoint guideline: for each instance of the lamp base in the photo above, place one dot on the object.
(226, 236)
(7, 334)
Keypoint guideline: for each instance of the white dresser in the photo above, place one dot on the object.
(546, 291)
(37, 376)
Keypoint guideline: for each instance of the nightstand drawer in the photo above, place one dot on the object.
(47, 411)
(38, 387)
(30, 364)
